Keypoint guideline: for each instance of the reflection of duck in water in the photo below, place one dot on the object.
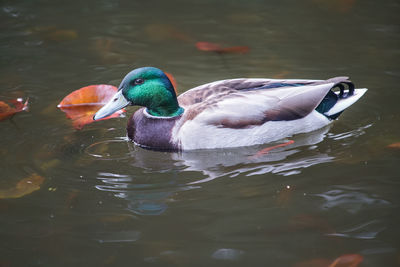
(181, 171)
(228, 113)
(236, 161)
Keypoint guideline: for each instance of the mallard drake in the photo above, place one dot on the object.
(226, 113)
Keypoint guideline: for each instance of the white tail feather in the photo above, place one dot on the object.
(344, 103)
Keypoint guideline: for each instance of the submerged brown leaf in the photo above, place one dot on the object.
(23, 187)
(61, 35)
(394, 145)
(217, 48)
(347, 260)
(162, 32)
(7, 110)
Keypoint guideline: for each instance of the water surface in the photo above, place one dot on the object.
(106, 202)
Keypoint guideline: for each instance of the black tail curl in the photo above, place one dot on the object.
(346, 89)
(342, 87)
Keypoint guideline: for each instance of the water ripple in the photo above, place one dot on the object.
(143, 198)
(118, 237)
(353, 133)
(227, 254)
(150, 197)
(233, 162)
(349, 200)
(114, 149)
(368, 230)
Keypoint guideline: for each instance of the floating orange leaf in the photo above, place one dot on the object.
(213, 47)
(23, 187)
(394, 145)
(82, 104)
(206, 46)
(7, 111)
(347, 260)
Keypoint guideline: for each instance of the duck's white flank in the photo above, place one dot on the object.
(195, 135)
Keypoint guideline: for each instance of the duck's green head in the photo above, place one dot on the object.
(148, 87)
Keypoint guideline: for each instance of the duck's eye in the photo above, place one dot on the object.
(138, 81)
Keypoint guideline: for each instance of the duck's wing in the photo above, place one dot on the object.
(224, 87)
(241, 103)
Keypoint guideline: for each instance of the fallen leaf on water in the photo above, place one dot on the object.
(206, 46)
(17, 105)
(347, 260)
(213, 47)
(23, 187)
(394, 145)
(82, 104)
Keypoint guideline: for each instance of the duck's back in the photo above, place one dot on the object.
(243, 112)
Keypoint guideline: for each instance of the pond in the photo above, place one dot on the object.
(90, 197)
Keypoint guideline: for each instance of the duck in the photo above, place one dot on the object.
(226, 113)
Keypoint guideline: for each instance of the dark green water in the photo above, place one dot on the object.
(105, 202)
